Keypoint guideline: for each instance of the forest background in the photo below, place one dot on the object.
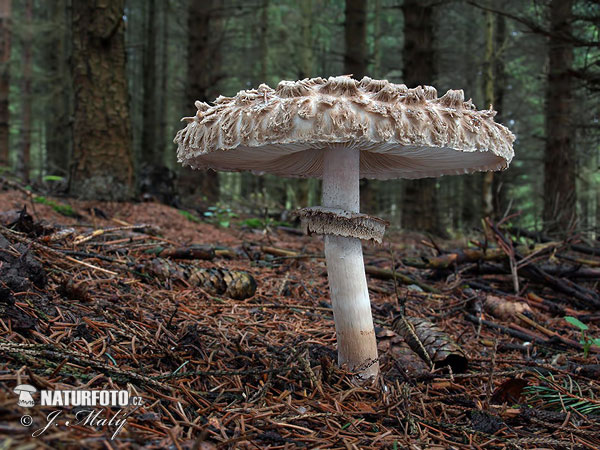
(91, 94)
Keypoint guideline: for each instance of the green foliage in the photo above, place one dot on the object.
(263, 224)
(53, 178)
(585, 340)
(565, 396)
(61, 208)
(220, 215)
(189, 216)
(578, 323)
(253, 222)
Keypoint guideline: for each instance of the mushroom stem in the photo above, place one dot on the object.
(357, 346)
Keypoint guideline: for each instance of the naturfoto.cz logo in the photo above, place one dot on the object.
(86, 398)
(79, 398)
(75, 397)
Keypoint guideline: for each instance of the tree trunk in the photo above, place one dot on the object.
(377, 41)
(488, 93)
(205, 29)
(420, 206)
(306, 52)
(151, 148)
(24, 157)
(58, 127)
(596, 233)
(264, 43)
(5, 35)
(465, 208)
(102, 166)
(559, 158)
(161, 135)
(493, 90)
(498, 193)
(355, 55)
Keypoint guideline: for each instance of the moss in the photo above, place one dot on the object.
(253, 222)
(65, 210)
(257, 223)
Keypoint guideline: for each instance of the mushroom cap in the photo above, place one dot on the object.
(401, 132)
(24, 388)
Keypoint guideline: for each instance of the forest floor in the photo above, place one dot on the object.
(227, 334)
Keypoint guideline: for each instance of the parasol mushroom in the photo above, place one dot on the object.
(342, 130)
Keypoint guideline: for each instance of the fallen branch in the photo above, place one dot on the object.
(387, 274)
(540, 237)
(374, 271)
(471, 255)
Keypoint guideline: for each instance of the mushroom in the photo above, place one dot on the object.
(24, 391)
(342, 130)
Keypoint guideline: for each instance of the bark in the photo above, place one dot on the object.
(488, 93)
(493, 89)
(468, 206)
(25, 132)
(498, 193)
(5, 41)
(102, 166)
(155, 180)
(306, 53)
(419, 53)
(204, 66)
(355, 55)
(58, 126)
(597, 205)
(264, 42)
(162, 94)
(151, 147)
(559, 158)
(420, 205)
(204, 62)
(377, 40)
